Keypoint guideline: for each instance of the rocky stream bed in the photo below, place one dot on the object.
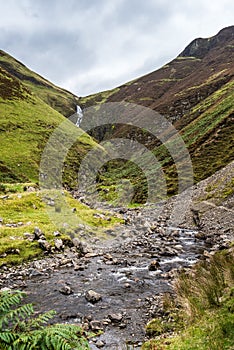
(114, 285)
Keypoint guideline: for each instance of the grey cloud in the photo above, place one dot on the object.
(89, 45)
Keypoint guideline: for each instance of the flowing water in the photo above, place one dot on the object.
(79, 113)
(124, 280)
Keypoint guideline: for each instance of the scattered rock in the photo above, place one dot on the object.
(66, 316)
(37, 232)
(56, 234)
(13, 251)
(4, 197)
(44, 245)
(200, 235)
(78, 267)
(100, 344)
(108, 256)
(66, 290)
(51, 203)
(29, 189)
(115, 318)
(58, 243)
(154, 265)
(29, 236)
(77, 243)
(96, 325)
(92, 296)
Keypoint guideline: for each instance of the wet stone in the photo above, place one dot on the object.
(66, 290)
(100, 344)
(92, 296)
(154, 265)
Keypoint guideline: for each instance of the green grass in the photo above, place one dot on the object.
(96, 99)
(213, 332)
(30, 210)
(25, 127)
(60, 99)
(208, 135)
(203, 310)
(214, 110)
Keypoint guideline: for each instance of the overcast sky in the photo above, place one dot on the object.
(91, 45)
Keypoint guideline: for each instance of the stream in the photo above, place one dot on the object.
(128, 273)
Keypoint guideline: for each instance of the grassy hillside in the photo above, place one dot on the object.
(195, 92)
(26, 123)
(208, 133)
(59, 99)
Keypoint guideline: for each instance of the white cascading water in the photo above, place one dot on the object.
(79, 113)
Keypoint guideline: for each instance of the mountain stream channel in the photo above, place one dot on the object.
(117, 283)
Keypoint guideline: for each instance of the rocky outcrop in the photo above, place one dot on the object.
(199, 48)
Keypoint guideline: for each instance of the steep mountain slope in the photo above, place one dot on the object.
(201, 69)
(26, 123)
(195, 92)
(61, 100)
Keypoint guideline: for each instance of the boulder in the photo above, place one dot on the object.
(58, 243)
(92, 296)
(37, 232)
(116, 318)
(66, 290)
(44, 244)
(154, 265)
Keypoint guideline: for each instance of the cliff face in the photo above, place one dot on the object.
(199, 48)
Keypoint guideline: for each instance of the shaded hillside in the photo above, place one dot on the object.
(61, 100)
(26, 122)
(195, 92)
(201, 69)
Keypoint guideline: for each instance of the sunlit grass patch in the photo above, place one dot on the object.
(20, 213)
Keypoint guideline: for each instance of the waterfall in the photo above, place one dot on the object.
(79, 113)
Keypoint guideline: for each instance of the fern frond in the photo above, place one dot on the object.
(23, 342)
(9, 299)
(21, 330)
(16, 315)
(41, 320)
(7, 337)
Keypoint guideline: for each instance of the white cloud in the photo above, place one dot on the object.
(89, 45)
